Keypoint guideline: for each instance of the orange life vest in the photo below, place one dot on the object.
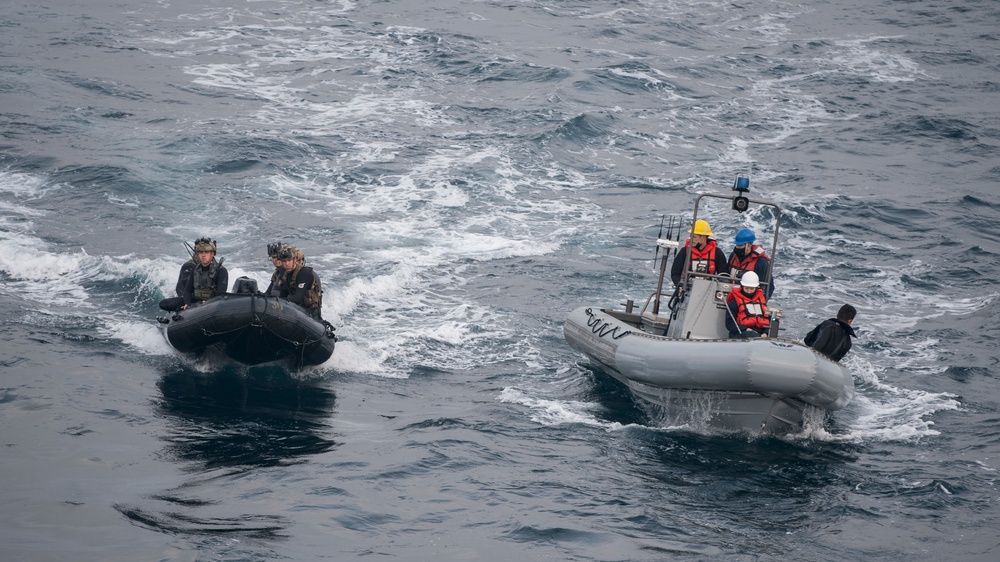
(703, 260)
(751, 311)
(737, 266)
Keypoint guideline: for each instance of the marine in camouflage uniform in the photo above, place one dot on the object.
(209, 278)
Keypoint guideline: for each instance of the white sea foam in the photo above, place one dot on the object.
(348, 357)
(881, 411)
(143, 336)
(860, 56)
(22, 185)
(546, 411)
(41, 276)
(420, 249)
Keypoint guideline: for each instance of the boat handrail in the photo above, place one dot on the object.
(774, 242)
(649, 300)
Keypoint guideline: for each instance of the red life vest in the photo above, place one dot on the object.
(751, 311)
(737, 266)
(703, 260)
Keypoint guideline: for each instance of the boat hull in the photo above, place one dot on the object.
(252, 329)
(759, 385)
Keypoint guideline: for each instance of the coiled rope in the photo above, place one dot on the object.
(603, 327)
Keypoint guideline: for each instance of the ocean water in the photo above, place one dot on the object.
(462, 174)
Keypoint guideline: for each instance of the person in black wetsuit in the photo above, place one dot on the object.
(301, 284)
(833, 336)
(182, 277)
(177, 303)
(278, 277)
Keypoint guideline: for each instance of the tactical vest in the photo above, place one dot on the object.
(277, 282)
(314, 294)
(204, 281)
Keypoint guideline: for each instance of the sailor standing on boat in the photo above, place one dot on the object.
(748, 256)
(209, 278)
(301, 284)
(747, 317)
(706, 256)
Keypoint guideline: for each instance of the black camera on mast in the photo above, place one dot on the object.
(741, 186)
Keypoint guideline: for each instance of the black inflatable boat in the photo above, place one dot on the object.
(251, 328)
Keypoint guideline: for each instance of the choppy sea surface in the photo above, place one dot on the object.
(462, 174)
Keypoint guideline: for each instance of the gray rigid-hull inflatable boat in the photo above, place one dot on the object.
(681, 358)
(251, 328)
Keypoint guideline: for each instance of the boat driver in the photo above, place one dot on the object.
(209, 278)
(706, 256)
(747, 316)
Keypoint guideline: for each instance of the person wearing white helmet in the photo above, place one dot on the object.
(748, 256)
(747, 317)
(706, 256)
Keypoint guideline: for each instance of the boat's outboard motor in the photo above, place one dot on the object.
(245, 286)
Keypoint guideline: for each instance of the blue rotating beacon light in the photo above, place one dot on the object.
(741, 186)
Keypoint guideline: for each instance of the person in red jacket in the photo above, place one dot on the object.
(706, 255)
(747, 317)
(748, 256)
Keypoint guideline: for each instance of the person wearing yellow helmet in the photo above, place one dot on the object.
(706, 256)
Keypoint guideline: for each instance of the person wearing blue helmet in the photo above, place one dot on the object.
(748, 256)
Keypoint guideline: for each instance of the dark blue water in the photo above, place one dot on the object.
(462, 174)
